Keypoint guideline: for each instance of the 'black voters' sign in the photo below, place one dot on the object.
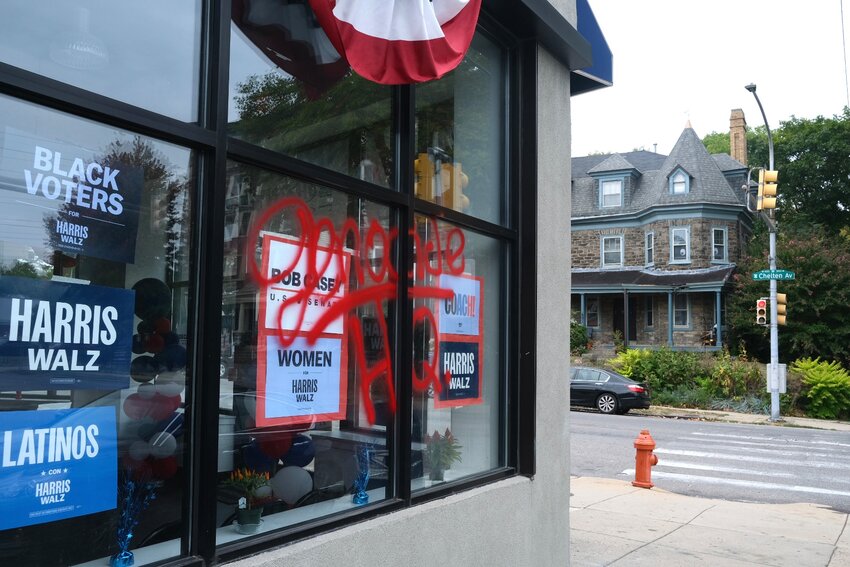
(56, 335)
(69, 198)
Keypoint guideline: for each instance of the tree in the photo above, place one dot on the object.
(811, 156)
(818, 300)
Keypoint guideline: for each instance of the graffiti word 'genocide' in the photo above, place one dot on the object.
(377, 282)
(86, 185)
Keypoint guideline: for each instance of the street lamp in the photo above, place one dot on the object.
(773, 369)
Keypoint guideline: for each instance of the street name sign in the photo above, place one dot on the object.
(774, 275)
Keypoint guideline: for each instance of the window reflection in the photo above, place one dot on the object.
(122, 50)
(291, 92)
(300, 399)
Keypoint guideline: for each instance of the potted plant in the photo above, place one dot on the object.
(254, 490)
(440, 452)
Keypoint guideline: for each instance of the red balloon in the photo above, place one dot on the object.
(164, 469)
(162, 406)
(274, 444)
(162, 325)
(137, 407)
(155, 343)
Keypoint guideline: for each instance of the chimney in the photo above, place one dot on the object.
(738, 136)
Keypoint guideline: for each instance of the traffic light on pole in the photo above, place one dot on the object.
(761, 311)
(454, 181)
(423, 169)
(767, 189)
(781, 308)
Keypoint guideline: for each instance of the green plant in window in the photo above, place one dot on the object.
(251, 485)
(440, 452)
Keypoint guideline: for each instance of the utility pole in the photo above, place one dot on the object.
(773, 368)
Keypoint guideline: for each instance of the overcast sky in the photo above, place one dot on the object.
(680, 60)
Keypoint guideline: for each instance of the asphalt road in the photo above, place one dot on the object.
(750, 463)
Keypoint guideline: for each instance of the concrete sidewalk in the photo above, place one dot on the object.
(614, 523)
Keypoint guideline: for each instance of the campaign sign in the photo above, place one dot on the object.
(56, 464)
(460, 373)
(93, 202)
(60, 336)
(288, 257)
(301, 383)
(460, 314)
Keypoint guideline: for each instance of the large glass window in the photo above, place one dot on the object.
(681, 311)
(460, 135)
(142, 53)
(718, 245)
(291, 92)
(458, 392)
(307, 288)
(95, 271)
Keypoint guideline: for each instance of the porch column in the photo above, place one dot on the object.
(670, 317)
(583, 311)
(626, 319)
(717, 311)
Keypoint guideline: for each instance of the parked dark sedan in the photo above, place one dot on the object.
(606, 391)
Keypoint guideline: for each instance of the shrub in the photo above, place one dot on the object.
(826, 387)
(619, 342)
(682, 396)
(625, 361)
(667, 369)
(578, 339)
(735, 378)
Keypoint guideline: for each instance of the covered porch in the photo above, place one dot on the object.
(651, 308)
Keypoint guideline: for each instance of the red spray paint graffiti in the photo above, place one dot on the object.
(323, 246)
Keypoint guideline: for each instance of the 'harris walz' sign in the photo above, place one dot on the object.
(56, 464)
(55, 335)
(460, 368)
(87, 205)
(300, 383)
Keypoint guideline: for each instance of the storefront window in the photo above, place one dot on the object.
(460, 132)
(123, 50)
(291, 92)
(307, 288)
(458, 392)
(94, 291)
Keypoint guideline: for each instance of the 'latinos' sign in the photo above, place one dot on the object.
(395, 42)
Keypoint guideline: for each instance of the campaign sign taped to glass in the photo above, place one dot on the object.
(56, 464)
(460, 314)
(288, 262)
(460, 365)
(76, 201)
(301, 383)
(56, 335)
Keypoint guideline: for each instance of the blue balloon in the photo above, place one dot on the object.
(255, 459)
(302, 452)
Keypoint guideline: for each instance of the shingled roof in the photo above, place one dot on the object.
(708, 184)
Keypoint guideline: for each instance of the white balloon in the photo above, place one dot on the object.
(169, 387)
(263, 492)
(163, 444)
(291, 483)
(147, 390)
(139, 450)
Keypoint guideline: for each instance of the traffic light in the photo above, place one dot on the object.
(767, 189)
(423, 186)
(454, 181)
(781, 308)
(761, 311)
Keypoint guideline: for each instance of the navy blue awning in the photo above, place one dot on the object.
(601, 72)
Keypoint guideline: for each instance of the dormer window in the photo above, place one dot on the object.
(611, 193)
(680, 183)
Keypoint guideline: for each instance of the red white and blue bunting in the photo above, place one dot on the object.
(399, 41)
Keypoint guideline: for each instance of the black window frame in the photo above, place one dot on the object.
(208, 140)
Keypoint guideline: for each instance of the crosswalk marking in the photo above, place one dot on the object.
(666, 463)
(785, 450)
(737, 457)
(743, 483)
(768, 438)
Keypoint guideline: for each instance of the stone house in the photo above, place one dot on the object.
(655, 241)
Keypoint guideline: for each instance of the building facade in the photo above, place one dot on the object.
(655, 242)
(235, 275)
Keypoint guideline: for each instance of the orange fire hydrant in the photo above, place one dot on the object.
(645, 459)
